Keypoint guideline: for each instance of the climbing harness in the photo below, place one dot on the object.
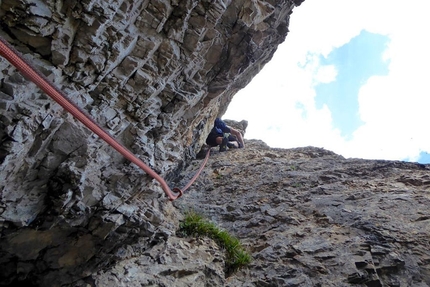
(26, 68)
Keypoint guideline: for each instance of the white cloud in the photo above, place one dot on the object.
(326, 74)
(394, 108)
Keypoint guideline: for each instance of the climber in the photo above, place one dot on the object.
(224, 136)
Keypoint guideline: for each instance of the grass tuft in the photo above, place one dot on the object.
(195, 225)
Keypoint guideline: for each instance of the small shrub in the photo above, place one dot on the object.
(297, 185)
(195, 225)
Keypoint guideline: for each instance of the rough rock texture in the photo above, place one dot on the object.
(312, 218)
(155, 74)
(308, 216)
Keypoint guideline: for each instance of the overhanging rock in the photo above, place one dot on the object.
(154, 74)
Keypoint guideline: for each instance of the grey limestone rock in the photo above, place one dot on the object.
(154, 74)
(312, 218)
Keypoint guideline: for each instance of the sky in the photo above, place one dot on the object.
(352, 77)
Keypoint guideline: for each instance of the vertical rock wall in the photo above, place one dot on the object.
(154, 74)
(309, 217)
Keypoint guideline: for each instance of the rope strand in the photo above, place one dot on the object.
(26, 68)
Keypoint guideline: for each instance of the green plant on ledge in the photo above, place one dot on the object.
(195, 224)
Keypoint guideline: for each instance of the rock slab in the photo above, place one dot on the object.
(152, 73)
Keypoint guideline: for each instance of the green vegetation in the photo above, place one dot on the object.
(297, 185)
(195, 224)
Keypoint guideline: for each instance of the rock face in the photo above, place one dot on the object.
(154, 74)
(312, 218)
(308, 216)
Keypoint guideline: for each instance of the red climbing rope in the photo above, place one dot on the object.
(14, 57)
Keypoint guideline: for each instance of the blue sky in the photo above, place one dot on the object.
(424, 157)
(355, 62)
(351, 77)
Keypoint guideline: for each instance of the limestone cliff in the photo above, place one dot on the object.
(312, 218)
(154, 74)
